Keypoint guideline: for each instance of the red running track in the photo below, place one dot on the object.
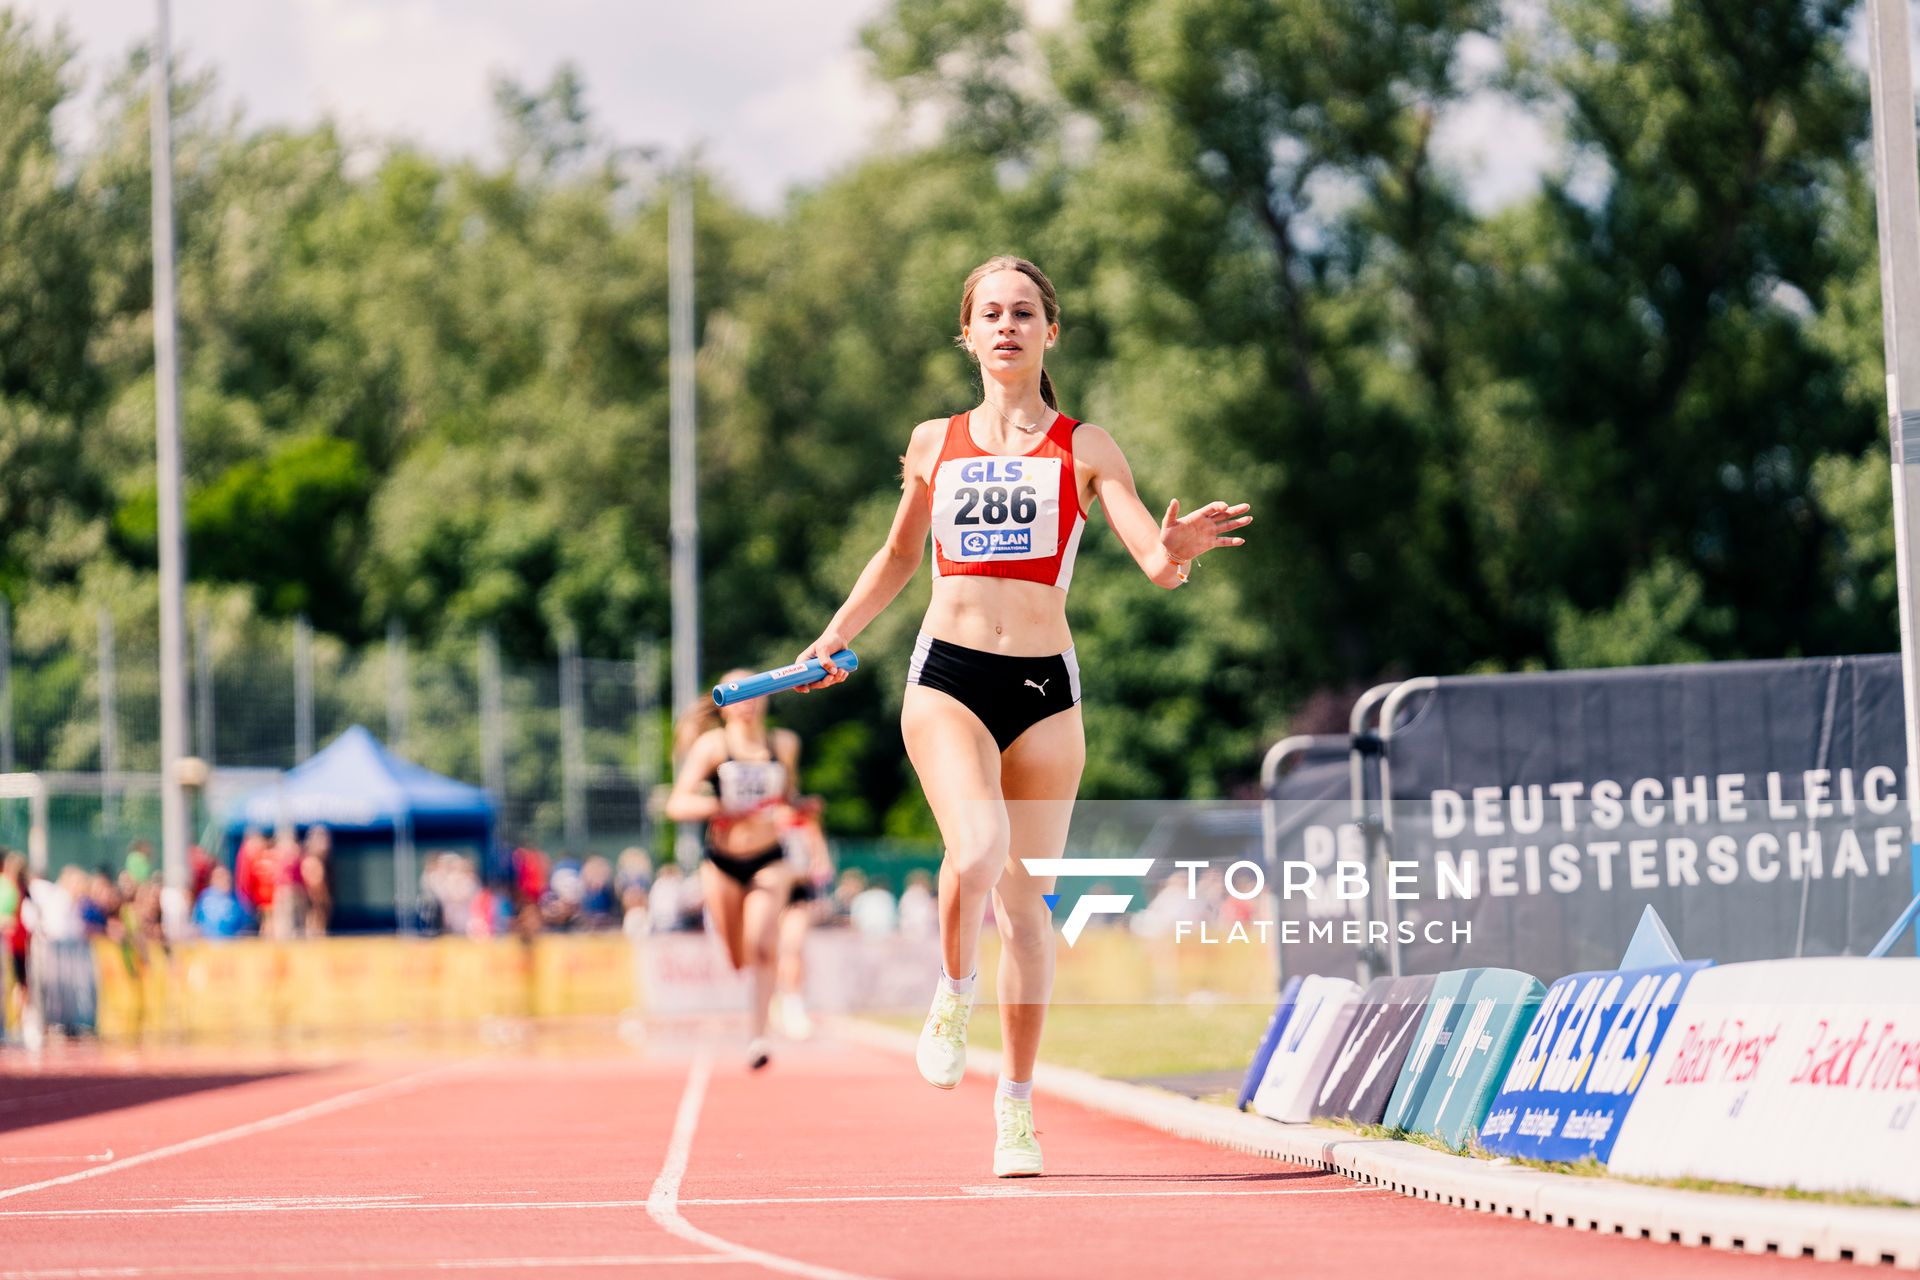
(837, 1161)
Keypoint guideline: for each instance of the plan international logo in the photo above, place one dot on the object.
(996, 542)
(1088, 905)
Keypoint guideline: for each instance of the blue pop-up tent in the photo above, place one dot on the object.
(379, 809)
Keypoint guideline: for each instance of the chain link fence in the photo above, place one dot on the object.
(571, 750)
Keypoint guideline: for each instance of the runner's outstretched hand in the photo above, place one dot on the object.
(1188, 537)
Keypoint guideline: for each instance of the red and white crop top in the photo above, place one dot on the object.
(1007, 515)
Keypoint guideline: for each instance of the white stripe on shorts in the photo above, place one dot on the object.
(1073, 673)
(922, 645)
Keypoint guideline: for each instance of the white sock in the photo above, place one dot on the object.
(958, 986)
(1018, 1090)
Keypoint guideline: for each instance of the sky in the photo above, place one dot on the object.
(774, 92)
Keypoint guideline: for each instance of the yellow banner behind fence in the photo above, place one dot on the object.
(247, 987)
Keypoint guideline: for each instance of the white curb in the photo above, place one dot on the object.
(1747, 1224)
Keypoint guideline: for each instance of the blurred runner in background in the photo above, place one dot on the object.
(738, 777)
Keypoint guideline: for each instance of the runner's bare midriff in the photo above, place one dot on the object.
(999, 615)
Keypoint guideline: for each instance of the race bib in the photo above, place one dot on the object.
(992, 509)
(745, 784)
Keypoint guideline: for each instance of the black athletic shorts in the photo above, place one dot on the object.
(741, 870)
(1008, 695)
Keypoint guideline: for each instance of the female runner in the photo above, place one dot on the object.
(991, 715)
(744, 871)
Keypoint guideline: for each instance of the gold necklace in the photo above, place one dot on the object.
(1009, 421)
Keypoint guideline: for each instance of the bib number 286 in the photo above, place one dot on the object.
(996, 503)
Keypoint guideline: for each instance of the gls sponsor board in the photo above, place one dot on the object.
(1582, 1061)
(1367, 1065)
(1468, 1036)
(1276, 1027)
(1786, 1073)
(1322, 1011)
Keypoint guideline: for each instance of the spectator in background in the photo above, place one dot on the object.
(289, 892)
(663, 899)
(447, 891)
(851, 884)
(486, 915)
(56, 904)
(873, 910)
(597, 903)
(218, 911)
(253, 875)
(100, 908)
(530, 872)
(560, 905)
(316, 870)
(919, 909)
(633, 870)
(139, 864)
(143, 917)
(200, 865)
(14, 934)
(66, 995)
(636, 914)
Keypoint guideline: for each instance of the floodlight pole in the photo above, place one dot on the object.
(684, 529)
(684, 514)
(175, 906)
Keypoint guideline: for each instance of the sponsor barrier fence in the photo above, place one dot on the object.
(1792, 1073)
(1582, 1062)
(1363, 1073)
(1269, 1040)
(1322, 1011)
(1758, 806)
(1468, 1035)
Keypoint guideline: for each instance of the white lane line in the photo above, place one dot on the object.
(325, 1106)
(412, 1264)
(315, 1206)
(93, 1159)
(371, 1205)
(663, 1202)
(984, 1194)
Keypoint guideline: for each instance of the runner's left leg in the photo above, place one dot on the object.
(1039, 775)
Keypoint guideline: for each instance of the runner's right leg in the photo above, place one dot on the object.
(958, 764)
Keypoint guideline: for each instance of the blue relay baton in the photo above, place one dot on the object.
(779, 678)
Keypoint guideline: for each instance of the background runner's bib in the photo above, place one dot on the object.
(1007, 516)
(747, 783)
